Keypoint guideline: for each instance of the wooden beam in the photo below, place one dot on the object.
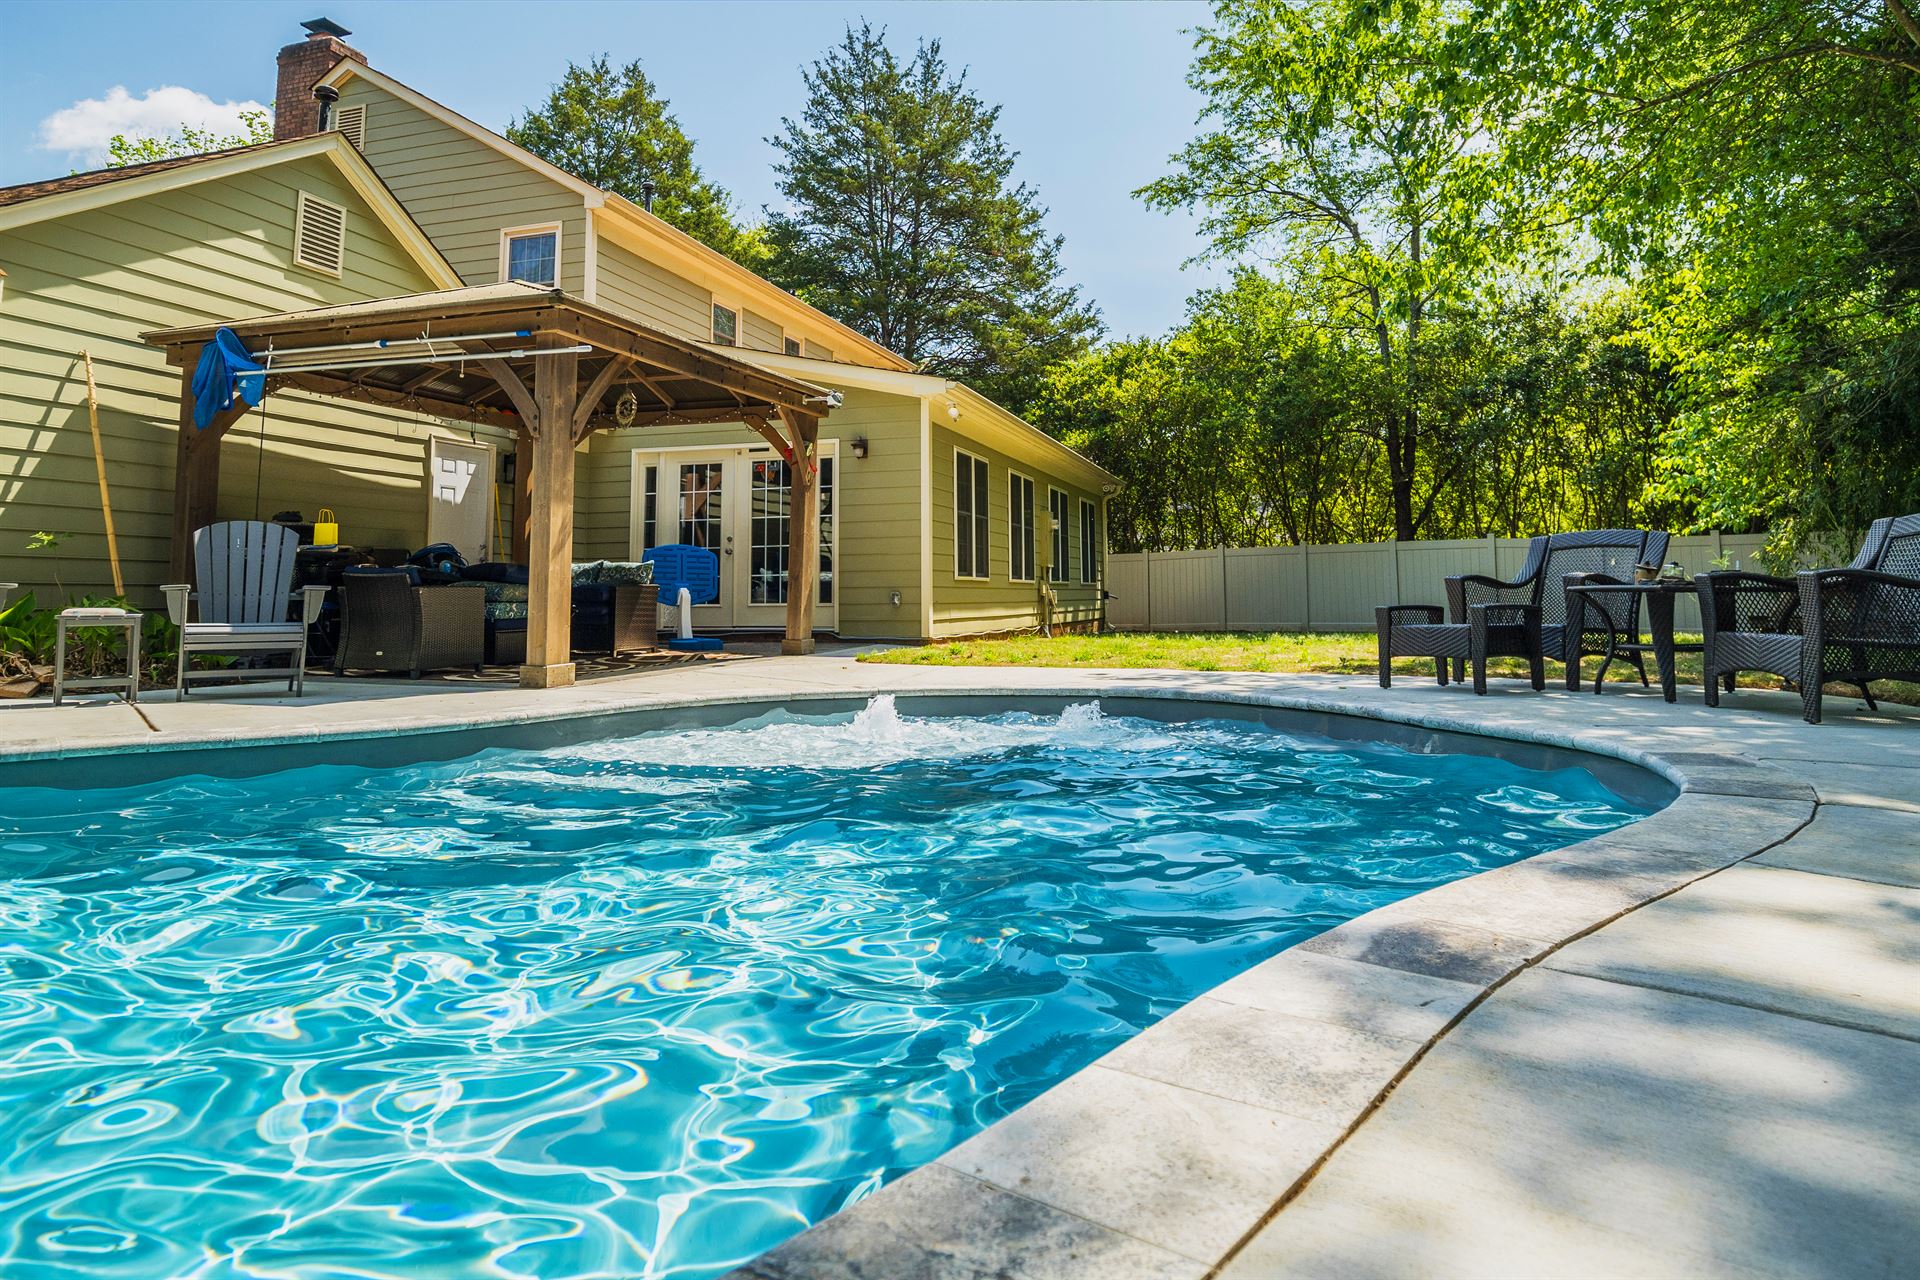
(196, 475)
(803, 535)
(773, 437)
(321, 384)
(590, 398)
(501, 372)
(681, 361)
(522, 491)
(550, 531)
(653, 386)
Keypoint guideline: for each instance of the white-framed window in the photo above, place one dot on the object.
(1089, 542)
(726, 325)
(1020, 527)
(1060, 528)
(791, 346)
(970, 519)
(352, 124)
(319, 234)
(531, 254)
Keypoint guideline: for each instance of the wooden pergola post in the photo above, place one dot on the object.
(803, 532)
(196, 474)
(550, 527)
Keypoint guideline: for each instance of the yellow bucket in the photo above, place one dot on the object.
(326, 529)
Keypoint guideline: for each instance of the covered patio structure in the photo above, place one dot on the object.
(548, 367)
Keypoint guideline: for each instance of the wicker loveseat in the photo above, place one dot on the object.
(1825, 626)
(614, 607)
(390, 622)
(1525, 618)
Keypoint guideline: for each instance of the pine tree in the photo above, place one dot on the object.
(611, 128)
(904, 221)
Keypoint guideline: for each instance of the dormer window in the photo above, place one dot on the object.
(531, 254)
(726, 326)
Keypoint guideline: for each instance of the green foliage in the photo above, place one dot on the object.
(1335, 143)
(122, 150)
(610, 127)
(27, 631)
(1755, 166)
(1254, 424)
(904, 221)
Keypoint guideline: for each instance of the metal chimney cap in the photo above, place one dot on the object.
(325, 27)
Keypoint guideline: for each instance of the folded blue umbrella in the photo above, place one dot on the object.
(225, 367)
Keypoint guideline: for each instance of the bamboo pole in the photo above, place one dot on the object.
(100, 469)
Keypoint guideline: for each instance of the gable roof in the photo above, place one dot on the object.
(32, 202)
(637, 224)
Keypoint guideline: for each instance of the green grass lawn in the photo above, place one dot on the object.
(1337, 653)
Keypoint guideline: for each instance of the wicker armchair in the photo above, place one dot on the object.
(1825, 626)
(1527, 617)
(389, 624)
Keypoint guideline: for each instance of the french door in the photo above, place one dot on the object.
(737, 503)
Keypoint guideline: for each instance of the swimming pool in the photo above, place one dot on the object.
(647, 1006)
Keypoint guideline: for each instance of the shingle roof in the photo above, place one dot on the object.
(97, 177)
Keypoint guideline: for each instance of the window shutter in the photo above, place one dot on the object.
(352, 122)
(319, 234)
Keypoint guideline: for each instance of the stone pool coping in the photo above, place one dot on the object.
(1168, 1154)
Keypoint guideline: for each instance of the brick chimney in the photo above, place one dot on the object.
(295, 112)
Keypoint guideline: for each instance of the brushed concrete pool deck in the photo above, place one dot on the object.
(1687, 1048)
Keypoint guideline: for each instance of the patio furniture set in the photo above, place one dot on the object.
(1575, 597)
(432, 612)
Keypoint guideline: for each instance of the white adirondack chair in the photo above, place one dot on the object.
(245, 570)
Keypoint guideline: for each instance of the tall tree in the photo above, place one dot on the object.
(903, 220)
(1336, 142)
(1756, 165)
(611, 128)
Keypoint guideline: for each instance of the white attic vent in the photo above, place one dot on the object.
(319, 234)
(352, 122)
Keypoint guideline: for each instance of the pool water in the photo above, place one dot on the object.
(646, 1007)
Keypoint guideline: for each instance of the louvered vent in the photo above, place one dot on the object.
(352, 121)
(319, 234)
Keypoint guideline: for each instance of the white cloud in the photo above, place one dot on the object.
(84, 129)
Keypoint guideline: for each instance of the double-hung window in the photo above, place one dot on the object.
(1020, 521)
(531, 254)
(726, 326)
(1057, 521)
(1089, 542)
(970, 518)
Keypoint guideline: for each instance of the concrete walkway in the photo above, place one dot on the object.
(1691, 1048)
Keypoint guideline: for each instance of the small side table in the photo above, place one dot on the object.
(127, 620)
(1659, 598)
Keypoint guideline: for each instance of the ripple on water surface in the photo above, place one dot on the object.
(646, 1007)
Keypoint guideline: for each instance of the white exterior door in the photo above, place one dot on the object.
(734, 502)
(460, 497)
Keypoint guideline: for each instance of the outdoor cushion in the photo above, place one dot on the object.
(624, 573)
(496, 571)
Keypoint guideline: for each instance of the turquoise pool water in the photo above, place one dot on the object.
(648, 1006)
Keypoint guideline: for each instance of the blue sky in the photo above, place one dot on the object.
(1094, 93)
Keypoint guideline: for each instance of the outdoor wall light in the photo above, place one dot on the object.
(893, 598)
(859, 446)
(953, 411)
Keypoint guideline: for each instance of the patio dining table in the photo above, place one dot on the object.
(1659, 598)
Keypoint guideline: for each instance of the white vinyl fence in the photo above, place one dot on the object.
(1335, 588)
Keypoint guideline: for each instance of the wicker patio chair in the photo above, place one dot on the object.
(1525, 618)
(244, 572)
(1824, 626)
(389, 624)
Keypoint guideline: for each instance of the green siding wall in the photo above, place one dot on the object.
(966, 606)
(215, 250)
(760, 333)
(463, 193)
(652, 294)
